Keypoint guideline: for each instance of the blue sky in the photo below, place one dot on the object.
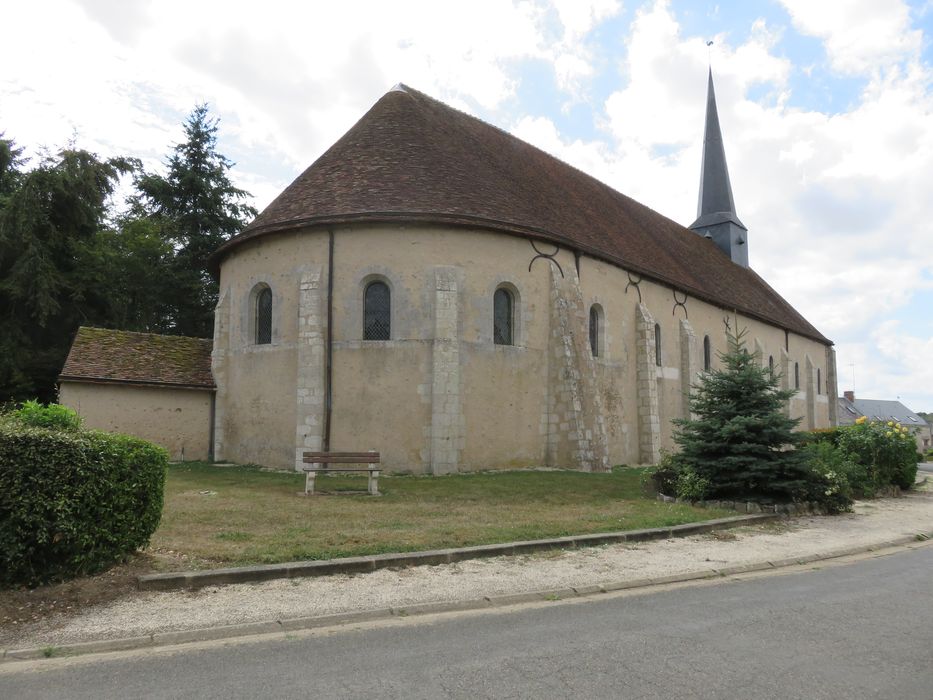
(826, 108)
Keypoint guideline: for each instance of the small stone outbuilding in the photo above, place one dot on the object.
(157, 387)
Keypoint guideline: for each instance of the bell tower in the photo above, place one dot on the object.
(716, 217)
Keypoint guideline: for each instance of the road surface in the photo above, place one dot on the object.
(860, 630)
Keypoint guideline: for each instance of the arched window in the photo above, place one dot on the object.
(771, 365)
(657, 344)
(595, 329)
(819, 381)
(263, 320)
(377, 311)
(707, 354)
(502, 317)
(796, 375)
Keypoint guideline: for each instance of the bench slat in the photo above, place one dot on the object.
(340, 457)
(326, 468)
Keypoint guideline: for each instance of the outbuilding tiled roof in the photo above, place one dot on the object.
(100, 354)
(413, 159)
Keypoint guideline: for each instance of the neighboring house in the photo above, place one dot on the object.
(158, 387)
(434, 288)
(851, 408)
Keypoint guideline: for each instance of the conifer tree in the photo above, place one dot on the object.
(48, 218)
(741, 442)
(197, 208)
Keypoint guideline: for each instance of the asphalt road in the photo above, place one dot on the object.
(863, 630)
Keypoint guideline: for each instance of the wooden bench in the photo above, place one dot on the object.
(321, 462)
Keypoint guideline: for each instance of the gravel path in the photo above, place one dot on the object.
(145, 613)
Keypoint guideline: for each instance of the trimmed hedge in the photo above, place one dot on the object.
(74, 503)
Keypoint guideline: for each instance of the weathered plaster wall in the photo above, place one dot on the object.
(177, 419)
(440, 396)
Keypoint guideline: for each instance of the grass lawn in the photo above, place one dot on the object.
(216, 516)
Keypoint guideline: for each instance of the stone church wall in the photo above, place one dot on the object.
(440, 396)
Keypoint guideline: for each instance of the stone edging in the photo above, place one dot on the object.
(162, 639)
(355, 565)
(802, 508)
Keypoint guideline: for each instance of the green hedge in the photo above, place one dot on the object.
(73, 502)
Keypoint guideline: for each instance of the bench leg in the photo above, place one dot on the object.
(373, 483)
(309, 483)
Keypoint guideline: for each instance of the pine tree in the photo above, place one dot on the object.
(197, 208)
(740, 441)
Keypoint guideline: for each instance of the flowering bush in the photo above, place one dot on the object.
(833, 474)
(885, 451)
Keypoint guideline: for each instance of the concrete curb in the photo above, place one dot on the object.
(161, 639)
(356, 565)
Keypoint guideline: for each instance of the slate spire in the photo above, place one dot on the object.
(716, 217)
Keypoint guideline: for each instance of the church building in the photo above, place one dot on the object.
(440, 291)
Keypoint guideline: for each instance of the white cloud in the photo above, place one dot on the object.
(571, 56)
(860, 36)
(837, 204)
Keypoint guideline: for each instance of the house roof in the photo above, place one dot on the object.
(888, 410)
(104, 355)
(847, 413)
(413, 159)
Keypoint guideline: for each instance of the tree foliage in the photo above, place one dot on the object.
(67, 259)
(741, 442)
(196, 208)
(48, 216)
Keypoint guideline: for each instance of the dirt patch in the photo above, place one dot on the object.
(23, 607)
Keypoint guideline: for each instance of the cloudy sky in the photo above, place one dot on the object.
(826, 107)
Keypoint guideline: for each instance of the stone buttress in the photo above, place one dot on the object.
(219, 361)
(646, 372)
(447, 430)
(576, 433)
(310, 379)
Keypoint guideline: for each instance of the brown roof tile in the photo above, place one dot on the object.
(100, 354)
(414, 159)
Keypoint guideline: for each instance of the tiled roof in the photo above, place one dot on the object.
(880, 410)
(413, 159)
(99, 354)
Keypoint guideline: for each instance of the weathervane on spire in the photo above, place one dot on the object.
(709, 52)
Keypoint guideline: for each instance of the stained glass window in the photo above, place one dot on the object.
(377, 311)
(594, 330)
(502, 317)
(264, 317)
(657, 344)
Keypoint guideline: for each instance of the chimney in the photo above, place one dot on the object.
(850, 396)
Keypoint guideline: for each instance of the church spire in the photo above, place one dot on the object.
(716, 217)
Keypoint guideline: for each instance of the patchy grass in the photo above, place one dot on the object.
(245, 515)
(226, 516)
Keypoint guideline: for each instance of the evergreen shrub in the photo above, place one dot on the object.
(741, 444)
(73, 502)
